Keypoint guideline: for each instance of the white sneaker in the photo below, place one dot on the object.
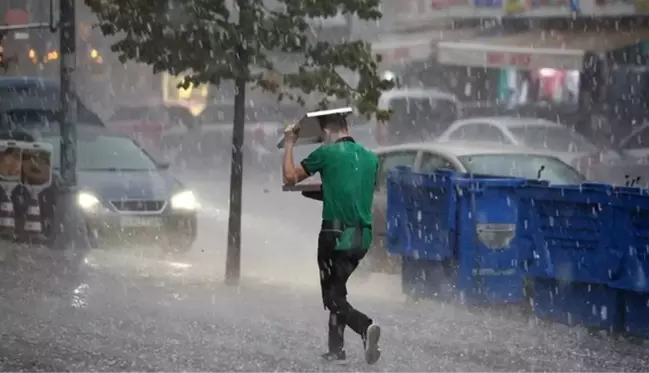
(371, 341)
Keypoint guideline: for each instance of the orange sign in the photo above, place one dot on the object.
(509, 59)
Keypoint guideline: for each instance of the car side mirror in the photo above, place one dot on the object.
(164, 165)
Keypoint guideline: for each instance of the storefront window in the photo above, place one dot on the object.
(539, 86)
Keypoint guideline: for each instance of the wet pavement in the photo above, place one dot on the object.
(136, 310)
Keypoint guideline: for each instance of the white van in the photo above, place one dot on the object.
(417, 114)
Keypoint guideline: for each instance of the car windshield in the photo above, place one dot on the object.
(105, 153)
(527, 166)
(560, 139)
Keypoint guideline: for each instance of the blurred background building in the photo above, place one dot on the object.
(583, 56)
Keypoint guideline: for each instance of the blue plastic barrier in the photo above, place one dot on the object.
(575, 303)
(421, 214)
(631, 235)
(636, 313)
(585, 248)
(570, 232)
(489, 251)
(398, 240)
(458, 230)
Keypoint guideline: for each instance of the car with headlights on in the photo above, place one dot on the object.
(125, 194)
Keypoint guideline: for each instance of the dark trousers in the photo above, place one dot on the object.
(335, 268)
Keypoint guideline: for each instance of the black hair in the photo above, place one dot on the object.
(336, 122)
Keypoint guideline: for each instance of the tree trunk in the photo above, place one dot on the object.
(233, 260)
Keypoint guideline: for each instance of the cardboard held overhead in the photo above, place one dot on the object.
(309, 126)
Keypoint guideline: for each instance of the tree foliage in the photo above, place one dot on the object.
(209, 41)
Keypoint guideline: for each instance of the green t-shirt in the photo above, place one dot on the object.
(349, 173)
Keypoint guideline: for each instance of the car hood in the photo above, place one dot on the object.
(129, 185)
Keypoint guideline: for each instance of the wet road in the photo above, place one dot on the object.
(134, 310)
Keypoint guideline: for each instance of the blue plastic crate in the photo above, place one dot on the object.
(632, 237)
(636, 313)
(398, 240)
(489, 251)
(421, 214)
(570, 231)
(576, 303)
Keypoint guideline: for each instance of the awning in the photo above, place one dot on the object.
(415, 46)
(535, 49)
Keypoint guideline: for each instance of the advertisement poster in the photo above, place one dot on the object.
(10, 163)
(36, 167)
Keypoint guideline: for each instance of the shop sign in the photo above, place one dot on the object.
(488, 3)
(515, 6)
(521, 60)
(571, 5)
(519, 6)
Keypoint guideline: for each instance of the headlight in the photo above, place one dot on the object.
(87, 201)
(184, 201)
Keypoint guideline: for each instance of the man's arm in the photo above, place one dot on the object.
(292, 174)
(310, 165)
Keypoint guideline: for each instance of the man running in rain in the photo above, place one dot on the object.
(349, 174)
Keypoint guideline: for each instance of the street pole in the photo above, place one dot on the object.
(69, 230)
(233, 255)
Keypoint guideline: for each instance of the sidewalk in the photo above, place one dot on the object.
(147, 314)
(173, 326)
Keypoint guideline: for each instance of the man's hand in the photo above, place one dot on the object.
(292, 174)
(291, 133)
